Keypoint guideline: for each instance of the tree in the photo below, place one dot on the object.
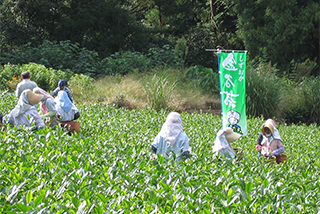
(103, 26)
(280, 31)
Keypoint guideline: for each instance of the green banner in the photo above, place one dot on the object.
(232, 73)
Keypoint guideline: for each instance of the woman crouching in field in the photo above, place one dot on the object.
(67, 112)
(25, 109)
(269, 143)
(171, 139)
(222, 144)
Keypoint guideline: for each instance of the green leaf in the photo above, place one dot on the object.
(29, 197)
(38, 200)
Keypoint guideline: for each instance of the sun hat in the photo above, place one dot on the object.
(62, 82)
(267, 125)
(33, 97)
(231, 135)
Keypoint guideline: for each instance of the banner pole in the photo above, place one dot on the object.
(224, 50)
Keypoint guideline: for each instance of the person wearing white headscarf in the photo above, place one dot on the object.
(172, 139)
(271, 144)
(25, 108)
(222, 142)
(66, 109)
(47, 107)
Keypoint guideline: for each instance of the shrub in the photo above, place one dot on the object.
(166, 57)
(206, 77)
(122, 63)
(158, 91)
(61, 55)
(46, 78)
(263, 91)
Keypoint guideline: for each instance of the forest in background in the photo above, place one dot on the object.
(283, 33)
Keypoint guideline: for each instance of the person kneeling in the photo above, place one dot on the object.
(171, 138)
(25, 109)
(67, 112)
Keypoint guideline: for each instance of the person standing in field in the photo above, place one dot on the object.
(271, 145)
(47, 107)
(172, 139)
(25, 109)
(62, 85)
(222, 142)
(26, 83)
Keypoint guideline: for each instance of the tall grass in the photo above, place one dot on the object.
(301, 102)
(158, 91)
(263, 91)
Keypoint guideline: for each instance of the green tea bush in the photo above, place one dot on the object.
(107, 168)
(206, 77)
(263, 91)
(46, 78)
(158, 91)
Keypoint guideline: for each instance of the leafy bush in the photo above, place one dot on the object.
(122, 63)
(158, 91)
(61, 55)
(166, 57)
(46, 78)
(263, 91)
(207, 78)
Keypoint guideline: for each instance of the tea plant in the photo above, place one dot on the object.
(106, 168)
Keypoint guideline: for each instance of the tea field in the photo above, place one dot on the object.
(107, 168)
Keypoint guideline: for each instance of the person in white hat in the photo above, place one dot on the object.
(271, 144)
(24, 109)
(171, 138)
(222, 142)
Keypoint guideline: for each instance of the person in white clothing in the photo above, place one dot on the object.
(171, 139)
(24, 109)
(222, 142)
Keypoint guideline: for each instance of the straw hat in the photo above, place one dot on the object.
(267, 125)
(33, 98)
(231, 135)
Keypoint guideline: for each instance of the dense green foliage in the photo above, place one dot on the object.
(280, 31)
(66, 56)
(107, 168)
(271, 31)
(103, 26)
